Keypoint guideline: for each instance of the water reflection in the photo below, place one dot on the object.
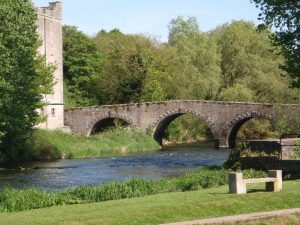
(170, 161)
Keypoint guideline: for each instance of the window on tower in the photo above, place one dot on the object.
(53, 112)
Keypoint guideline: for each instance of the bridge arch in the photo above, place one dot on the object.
(238, 122)
(163, 121)
(97, 124)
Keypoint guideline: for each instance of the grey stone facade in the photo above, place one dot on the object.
(284, 148)
(288, 148)
(223, 118)
(49, 28)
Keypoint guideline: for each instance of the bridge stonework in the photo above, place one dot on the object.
(223, 118)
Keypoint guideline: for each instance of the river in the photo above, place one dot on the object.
(167, 162)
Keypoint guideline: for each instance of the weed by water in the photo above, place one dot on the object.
(56, 144)
(18, 200)
(12, 200)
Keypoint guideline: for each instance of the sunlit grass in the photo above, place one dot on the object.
(56, 144)
(161, 208)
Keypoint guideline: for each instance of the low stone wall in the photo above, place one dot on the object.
(285, 146)
(271, 163)
(288, 148)
(268, 146)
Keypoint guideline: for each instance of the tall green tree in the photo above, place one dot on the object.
(181, 28)
(250, 65)
(251, 73)
(134, 68)
(195, 64)
(82, 65)
(284, 17)
(23, 75)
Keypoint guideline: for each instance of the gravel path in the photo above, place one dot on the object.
(240, 218)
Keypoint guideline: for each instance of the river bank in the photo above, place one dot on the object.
(67, 173)
(162, 208)
(50, 145)
(13, 200)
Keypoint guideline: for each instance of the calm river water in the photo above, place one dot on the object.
(169, 161)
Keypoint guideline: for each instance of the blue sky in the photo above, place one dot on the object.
(151, 17)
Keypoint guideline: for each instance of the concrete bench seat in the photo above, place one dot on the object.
(259, 180)
(237, 185)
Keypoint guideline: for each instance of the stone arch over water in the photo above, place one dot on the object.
(163, 121)
(98, 124)
(238, 122)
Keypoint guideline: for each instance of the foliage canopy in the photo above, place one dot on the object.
(284, 16)
(81, 67)
(234, 62)
(23, 75)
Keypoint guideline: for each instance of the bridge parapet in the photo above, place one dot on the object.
(223, 118)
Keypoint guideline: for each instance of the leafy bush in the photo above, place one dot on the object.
(203, 178)
(251, 173)
(233, 160)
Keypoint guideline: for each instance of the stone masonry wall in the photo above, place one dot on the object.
(288, 148)
(220, 117)
(49, 28)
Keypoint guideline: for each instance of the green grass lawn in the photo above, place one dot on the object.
(162, 208)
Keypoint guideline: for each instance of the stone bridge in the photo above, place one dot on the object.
(223, 118)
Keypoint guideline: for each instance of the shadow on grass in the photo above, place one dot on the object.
(250, 190)
(256, 190)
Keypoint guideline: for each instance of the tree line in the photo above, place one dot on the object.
(24, 75)
(234, 62)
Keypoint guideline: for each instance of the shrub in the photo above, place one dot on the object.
(251, 173)
(233, 161)
(203, 178)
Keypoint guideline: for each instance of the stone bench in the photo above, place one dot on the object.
(237, 185)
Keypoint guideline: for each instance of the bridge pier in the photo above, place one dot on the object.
(221, 143)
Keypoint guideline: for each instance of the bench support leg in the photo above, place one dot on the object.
(236, 184)
(277, 185)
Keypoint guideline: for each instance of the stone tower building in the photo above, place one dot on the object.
(50, 30)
